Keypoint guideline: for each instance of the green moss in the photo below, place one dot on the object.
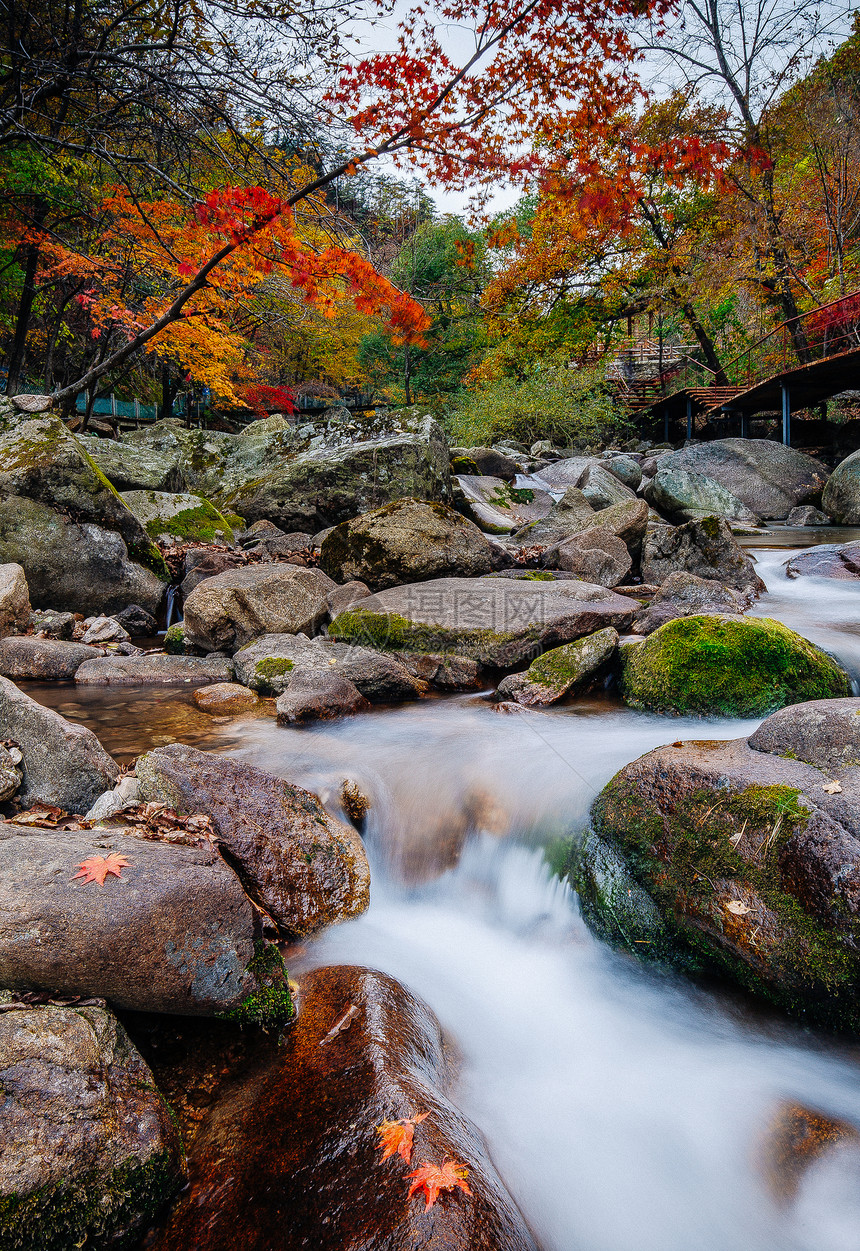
(740, 668)
(537, 575)
(267, 672)
(92, 1210)
(393, 632)
(465, 465)
(271, 1005)
(148, 555)
(200, 524)
(174, 640)
(711, 527)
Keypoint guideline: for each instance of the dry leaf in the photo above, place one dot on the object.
(737, 908)
(832, 788)
(96, 868)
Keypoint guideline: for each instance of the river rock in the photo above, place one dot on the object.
(77, 566)
(343, 596)
(173, 933)
(602, 489)
(63, 763)
(566, 473)
(752, 859)
(826, 560)
(495, 621)
(14, 600)
(561, 670)
(570, 515)
(89, 1147)
(488, 461)
(49, 623)
(796, 1139)
(41, 659)
(448, 673)
(104, 630)
(188, 517)
(768, 477)
(499, 508)
(685, 595)
(282, 546)
(302, 1179)
(234, 607)
(132, 465)
(626, 469)
(728, 666)
(204, 562)
(596, 555)
(684, 496)
(225, 698)
(407, 541)
(153, 670)
(269, 665)
(806, 515)
(305, 869)
(841, 498)
(706, 548)
(137, 621)
(319, 695)
(824, 733)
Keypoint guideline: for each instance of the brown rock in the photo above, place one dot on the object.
(796, 1138)
(446, 672)
(304, 868)
(223, 698)
(289, 1155)
(596, 556)
(319, 696)
(14, 600)
(153, 670)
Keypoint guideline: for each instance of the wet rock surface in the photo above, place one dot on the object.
(234, 607)
(225, 698)
(407, 541)
(62, 763)
(824, 733)
(494, 621)
(174, 932)
(319, 696)
(561, 670)
(826, 560)
(44, 659)
(706, 548)
(304, 868)
(270, 664)
(89, 1151)
(153, 670)
(290, 1156)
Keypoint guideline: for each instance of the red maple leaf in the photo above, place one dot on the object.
(397, 1136)
(432, 1179)
(96, 868)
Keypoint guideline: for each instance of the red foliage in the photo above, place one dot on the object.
(264, 400)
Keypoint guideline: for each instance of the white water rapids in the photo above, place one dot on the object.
(625, 1110)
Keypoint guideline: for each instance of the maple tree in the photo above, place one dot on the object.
(97, 868)
(397, 1136)
(433, 1179)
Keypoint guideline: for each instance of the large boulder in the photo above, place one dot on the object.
(407, 541)
(30, 657)
(706, 548)
(561, 670)
(683, 496)
(270, 664)
(319, 696)
(234, 607)
(497, 507)
(302, 867)
(826, 560)
(769, 478)
(174, 932)
(90, 1151)
(78, 566)
(14, 600)
(185, 516)
(153, 670)
(729, 666)
(63, 763)
(488, 461)
(685, 595)
(570, 515)
(596, 555)
(566, 473)
(495, 621)
(289, 1153)
(841, 498)
(750, 850)
(602, 489)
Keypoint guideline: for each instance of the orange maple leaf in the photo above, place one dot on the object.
(397, 1136)
(96, 868)
(432, 1179)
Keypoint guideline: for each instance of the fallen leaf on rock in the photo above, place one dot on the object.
(737, 908)
(832, 788)
(96, 868)
(432, 1180)
(158, 822)
(397, 1136)
(50, 817)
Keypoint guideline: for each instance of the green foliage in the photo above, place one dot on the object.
(550, 402)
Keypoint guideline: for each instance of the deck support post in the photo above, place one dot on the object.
(666, 424)
(786, 414)
(745, 425)
(689, 417)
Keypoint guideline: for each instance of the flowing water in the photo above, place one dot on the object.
(626, 1110)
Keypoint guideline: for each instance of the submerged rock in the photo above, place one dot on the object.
(63, 763)
(561, 670)
(304, 869)
(826, 560)
(728, 666)
(289, 1153)
(89, 1150)
(407, 541)
(225, 698)
(706, 548)
(496, 621)
(234, 607)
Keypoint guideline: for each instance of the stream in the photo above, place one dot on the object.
(626, 1109)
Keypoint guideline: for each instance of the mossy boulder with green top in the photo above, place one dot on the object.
(183, 515)
(726, 665)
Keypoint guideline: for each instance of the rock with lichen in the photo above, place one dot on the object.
(560, 670)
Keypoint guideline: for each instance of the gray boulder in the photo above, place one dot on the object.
(136, 621)
(153, 670)
(841, 498)
(317, 695)
(602, 489)
(90, 1150)
(185, 516)
(706, 548)
(447, 673)
(596, 555)
(14, 600)
(340, 597)
(686, 595)
(272, 663)
(559, 671)
(174, 932)
(227, 611)
(566, 473)
(806, 515)
(826, 560)
(683, 496)
(570, 515)
(497, 507)
(490, 461)
(824, 733)
(301, 866)
(43, 659)
(50, 623)
(769, 478)
(495, 621)
(626, 469)
(407, 541)
(63, 763)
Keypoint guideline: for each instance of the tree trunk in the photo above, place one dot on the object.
(25, 309)
(407, 373)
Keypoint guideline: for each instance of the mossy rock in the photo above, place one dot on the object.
(724, 665)
(184, 516)
(174, 640)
